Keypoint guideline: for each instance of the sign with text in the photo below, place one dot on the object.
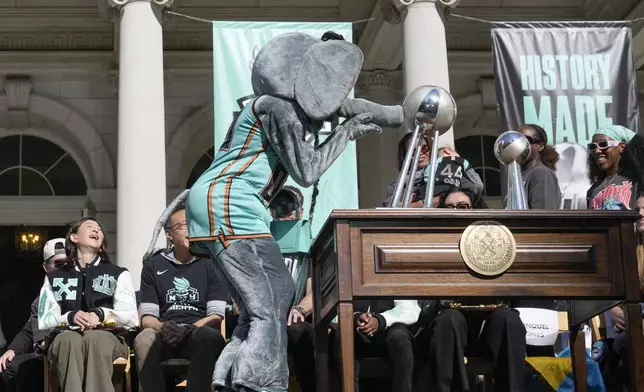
(541, 325)
(570, 78)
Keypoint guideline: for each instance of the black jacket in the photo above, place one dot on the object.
(29, 335)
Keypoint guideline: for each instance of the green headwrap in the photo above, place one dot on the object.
(617, 132)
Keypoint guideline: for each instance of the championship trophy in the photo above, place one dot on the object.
(427, 110)
(512, 149)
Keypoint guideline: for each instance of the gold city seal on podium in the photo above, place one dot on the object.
(488, 247)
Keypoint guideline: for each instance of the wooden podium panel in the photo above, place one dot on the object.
(414, 253)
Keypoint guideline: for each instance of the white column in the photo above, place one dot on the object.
(425, 57)
(141, 190)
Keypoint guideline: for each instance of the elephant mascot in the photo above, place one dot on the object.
(300, 82)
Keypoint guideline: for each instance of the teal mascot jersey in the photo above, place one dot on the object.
(229, 201)
(300, 82)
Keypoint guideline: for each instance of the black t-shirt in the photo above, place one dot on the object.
(184, 293)
(608, 193)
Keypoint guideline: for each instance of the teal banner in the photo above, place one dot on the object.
(235, 45)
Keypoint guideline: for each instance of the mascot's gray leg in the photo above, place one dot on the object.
(222, 375)
(263, 289)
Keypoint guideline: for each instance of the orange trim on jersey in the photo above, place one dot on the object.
(211, 213)
(229, 183)
(197, 239)
(211, 188)
(224, 242)
(248, 236)
(227, 220)
(249, 139)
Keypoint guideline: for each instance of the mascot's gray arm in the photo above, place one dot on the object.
(385, 116)
(283, 123)
(163, 220)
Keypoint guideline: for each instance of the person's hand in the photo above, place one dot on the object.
(173, 334)
(8, 356)
(360, 126)
(84, 320)
(368, 324)
(295, 317)
(417, 204)
(450, 153)
(617, 315)
(170, 332)
(94, 320)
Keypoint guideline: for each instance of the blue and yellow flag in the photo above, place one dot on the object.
(555, 374)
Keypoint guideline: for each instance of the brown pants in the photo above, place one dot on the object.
(202, 348)
(83, 361)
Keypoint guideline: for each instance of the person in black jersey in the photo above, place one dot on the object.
(182, 307)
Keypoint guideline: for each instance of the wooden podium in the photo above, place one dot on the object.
(585, 256)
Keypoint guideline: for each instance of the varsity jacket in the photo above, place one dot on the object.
(101, 287)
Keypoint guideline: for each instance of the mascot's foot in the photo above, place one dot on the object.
(219, 388)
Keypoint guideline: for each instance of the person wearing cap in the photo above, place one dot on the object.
(21, 366)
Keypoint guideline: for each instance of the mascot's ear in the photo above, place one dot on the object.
(327, 74)
(276, 65)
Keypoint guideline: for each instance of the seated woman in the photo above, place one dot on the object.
(445, 341)
(83, 295)
(451, 171)
(384, 328)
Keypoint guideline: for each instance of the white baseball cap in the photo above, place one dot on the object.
(54, 247)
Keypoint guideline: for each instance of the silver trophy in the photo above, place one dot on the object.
(512, 149)
(428, 110)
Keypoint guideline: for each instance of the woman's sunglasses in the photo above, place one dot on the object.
(424, 149)
(459, 206)
(603, 144)
(532, 140)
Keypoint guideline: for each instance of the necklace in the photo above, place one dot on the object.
(604, 186)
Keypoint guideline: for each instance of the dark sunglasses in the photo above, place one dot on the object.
(424, 149)
(532, 140)
(603, 144)
(459, 206)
